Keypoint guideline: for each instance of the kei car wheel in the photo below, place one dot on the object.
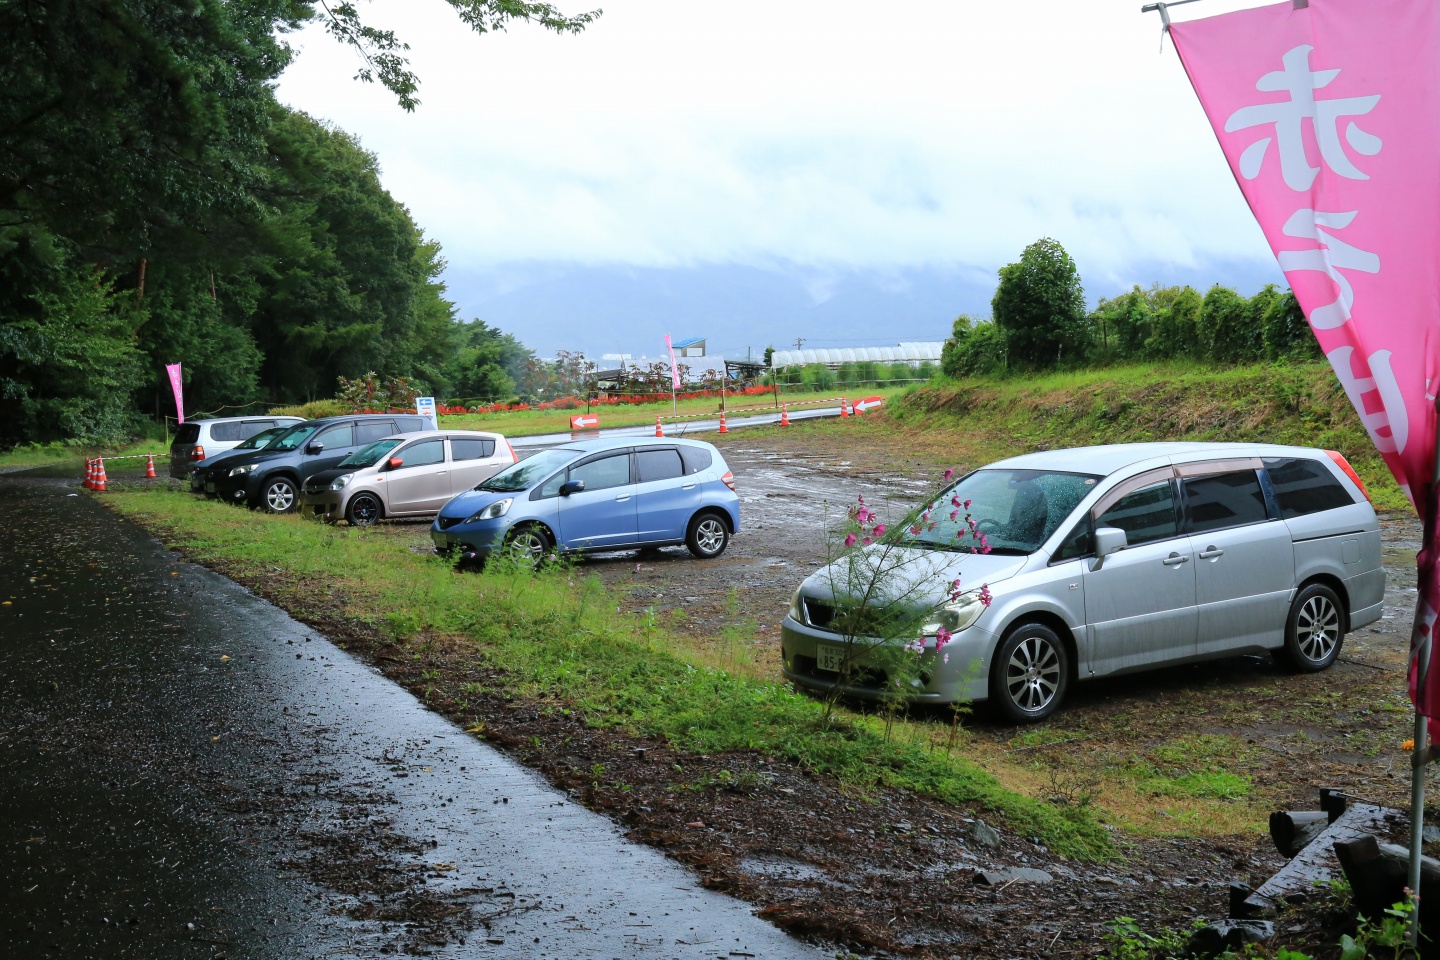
(278, 496)
(708, 536)
(1314, 630)
(1030, 673)
(364, 509)
(529, 543)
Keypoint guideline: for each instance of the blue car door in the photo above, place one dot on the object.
(603, 514)
(665, 497)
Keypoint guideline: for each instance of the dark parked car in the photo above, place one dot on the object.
(270, 478)
(217, 465)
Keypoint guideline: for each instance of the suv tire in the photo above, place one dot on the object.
(279, 495)
(529, 542)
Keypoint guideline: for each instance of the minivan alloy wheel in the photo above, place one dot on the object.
(1031, 672)
(1315, 629)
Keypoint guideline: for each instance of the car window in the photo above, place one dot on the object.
(412, 424)
(336, 437)
(260, 439)
(1223, 500)
(370, 454)
(612, 471)
(1146, 515)
(1077, 542)
(424, 453)
(530, 471)
(659, 465)
(229, 432)
(1007, 511)
(551, 487)
(187, 433)
(696, 458)
(368, 431)
(1304, 486)
(292, 439)
(471, 448)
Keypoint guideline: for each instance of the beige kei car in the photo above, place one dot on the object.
(405, 475)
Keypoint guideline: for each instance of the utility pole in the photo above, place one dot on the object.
(798, 342)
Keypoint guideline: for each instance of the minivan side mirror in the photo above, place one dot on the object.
(1109, 540)
(396, 463)
(314, 447)
(572, 486)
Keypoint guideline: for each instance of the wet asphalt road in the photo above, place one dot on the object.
(185, 771)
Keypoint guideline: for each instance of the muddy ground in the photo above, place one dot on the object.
(885, 873)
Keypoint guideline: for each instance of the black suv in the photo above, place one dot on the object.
(271, 476)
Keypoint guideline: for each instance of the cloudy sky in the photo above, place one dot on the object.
(742, 163)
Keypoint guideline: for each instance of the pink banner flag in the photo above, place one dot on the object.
(674, 369)
(1330, 118)
(174, 370)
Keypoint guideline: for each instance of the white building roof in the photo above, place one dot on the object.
(900, 353)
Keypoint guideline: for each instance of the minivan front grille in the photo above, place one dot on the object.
(445, 523)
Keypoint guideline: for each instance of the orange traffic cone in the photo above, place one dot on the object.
(785, 415)
(843, 411)
(723, 428)
(89, 474)
(100, 476)
(150, 466)
(659, 431)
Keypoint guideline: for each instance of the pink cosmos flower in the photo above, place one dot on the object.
(879, 529)
(949, 472)
(850, 540)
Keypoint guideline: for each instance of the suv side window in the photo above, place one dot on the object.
(471, 448)
(1077, 542)
(659, 465)
(368, 431)
(1146, 515)
(1304, 486)
(423, 454)
(335, 437)
(1223, 500)
(613, 471)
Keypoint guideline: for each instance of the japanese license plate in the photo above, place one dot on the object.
(829, 658)
(210, 486)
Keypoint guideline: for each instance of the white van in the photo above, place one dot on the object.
(199, 440)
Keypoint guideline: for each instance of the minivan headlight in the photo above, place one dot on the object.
(241, 470)
(339, 482)
(497, 509)
(956, 616)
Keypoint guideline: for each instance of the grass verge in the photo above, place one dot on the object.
(560, 639)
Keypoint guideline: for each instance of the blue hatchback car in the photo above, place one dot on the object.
(594, 495)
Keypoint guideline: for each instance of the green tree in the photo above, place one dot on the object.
(1121, 326)
(1224, 325)
(1176, 325)
(1285, 331)
(1040, 307)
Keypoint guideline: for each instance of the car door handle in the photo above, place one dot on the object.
(1174, 559)
(1211, 552)
(439, 473)
(687, 486)
(622, 498)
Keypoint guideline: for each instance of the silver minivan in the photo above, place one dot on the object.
(1054, 567)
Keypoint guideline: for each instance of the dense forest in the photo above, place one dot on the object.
(158, 205)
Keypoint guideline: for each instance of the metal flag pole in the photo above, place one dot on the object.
(1420, 758)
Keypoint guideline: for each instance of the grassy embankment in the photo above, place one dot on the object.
(52, 454)
(565, 645)
(521, 423)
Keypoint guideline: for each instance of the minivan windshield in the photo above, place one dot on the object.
(1010, 511)
(292, 438)
(370, 455)
(528, 472)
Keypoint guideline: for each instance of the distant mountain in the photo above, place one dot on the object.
(620, 309)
